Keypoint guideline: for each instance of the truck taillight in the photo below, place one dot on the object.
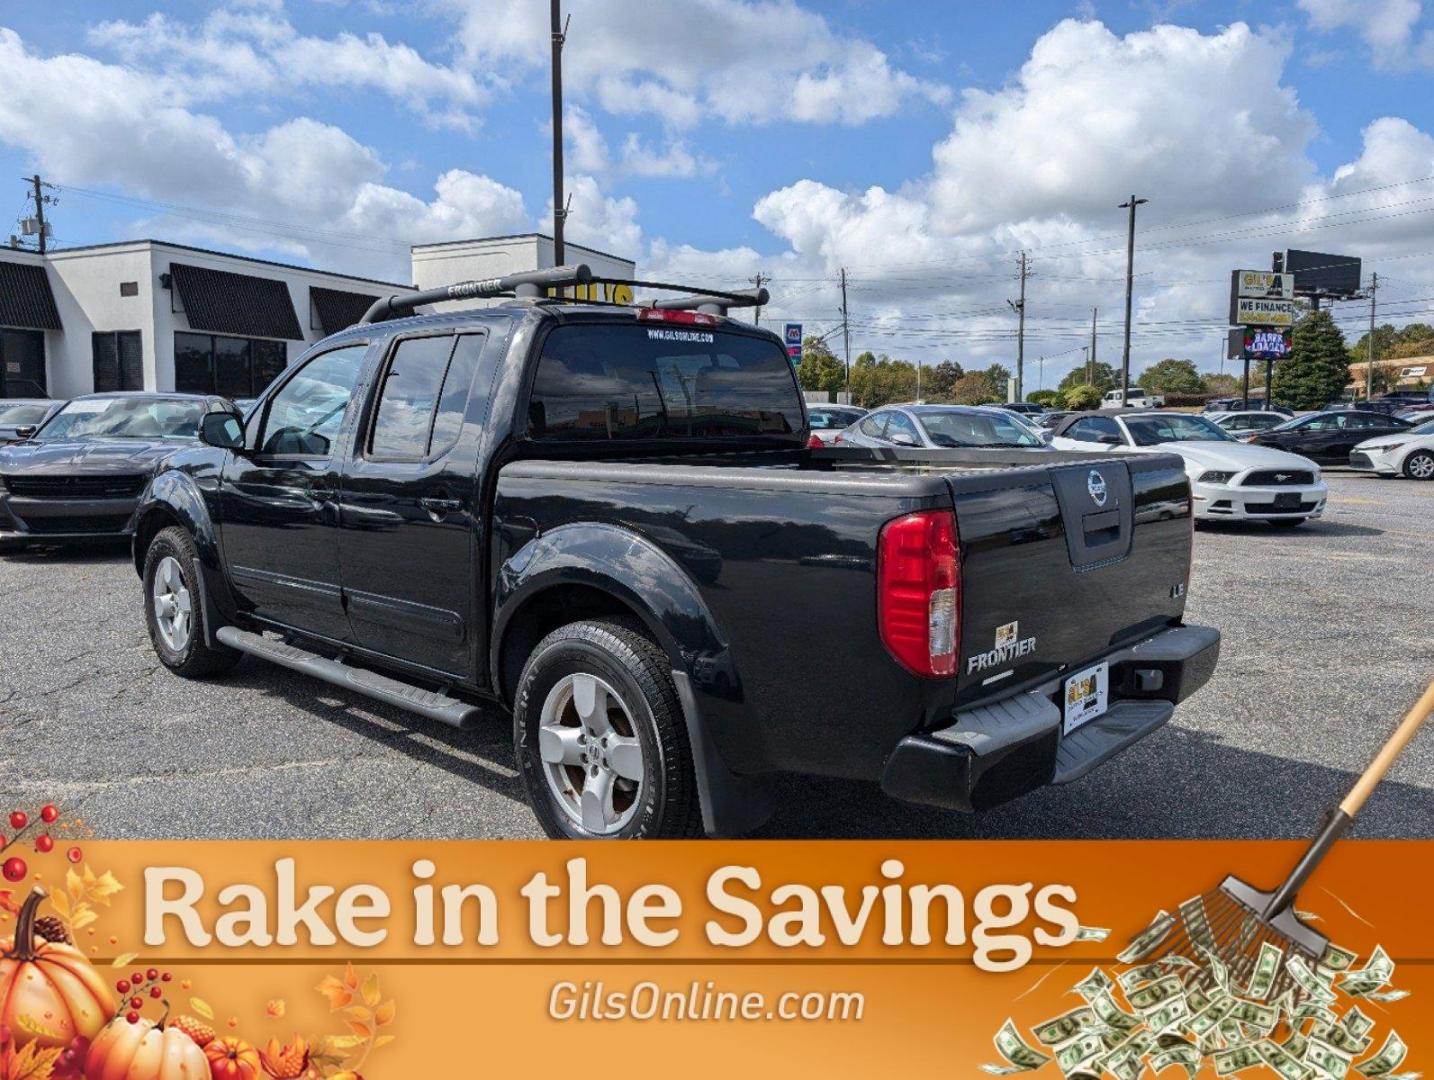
(689, 318)
(918, 592)
(814, 443)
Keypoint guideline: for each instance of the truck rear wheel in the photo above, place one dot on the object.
(174, 612)
(600, 738)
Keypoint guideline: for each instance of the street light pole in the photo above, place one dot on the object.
(559, 207)
(1129, 287)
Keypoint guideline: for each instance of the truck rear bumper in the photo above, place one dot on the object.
(993, 753)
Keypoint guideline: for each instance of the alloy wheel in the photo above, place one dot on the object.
(592, 758)
(173, 607)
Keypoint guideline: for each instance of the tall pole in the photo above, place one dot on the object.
(1129, 288)
(757, 279)
(1369, 372)
(559, 209)
(39, 210)
(1090, 356)
(845, 331)
(1020, 309)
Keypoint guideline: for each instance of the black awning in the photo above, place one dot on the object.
(25, 297)
(221, 302)
(338, 310)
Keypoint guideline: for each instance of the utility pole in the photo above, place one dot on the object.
(1129, 288)
(845, 331)
(1019, 307)
(41, 200)
(560, 211)
(757, 279)
(1090, 356)
(1369, 372)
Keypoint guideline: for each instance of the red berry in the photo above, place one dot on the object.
(15, 869)
(165, 977)
(152, 974)
(19, 819)
(136, 1003)
(44, 844)
(74, 854)
(155, 991)
(49, 813)
(137, 978)
(122, 986)
(132, 1017)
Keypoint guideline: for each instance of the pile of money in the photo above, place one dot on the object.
(1299, 1018)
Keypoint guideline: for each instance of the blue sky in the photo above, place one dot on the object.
(917, 144)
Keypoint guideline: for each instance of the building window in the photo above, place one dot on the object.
(119, 361)
(22, 364)
(129, 288)
(232, 367)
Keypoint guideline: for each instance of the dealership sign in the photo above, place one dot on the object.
(794, 342)
(1250, 311)
(1268, 342)
(1264, 285)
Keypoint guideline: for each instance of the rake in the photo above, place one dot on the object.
(1233, 921)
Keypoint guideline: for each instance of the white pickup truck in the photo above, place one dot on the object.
(1135, 398)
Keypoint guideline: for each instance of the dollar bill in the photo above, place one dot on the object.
(1340, 1037)
(1276, 1057)
(1296, 1044)
(1262, 1017)
(1236, 1059)
(1144, 973)
(1267, 966)
(1217, 969)
(1391, 1055)
(1092, 933)
(1313, 1010)
(1146, 998)
(1329, 1060)
(1197, 923)
(1112, 1015)
(1199, 1001)
(1168, 1015)
(1336, 959)
(1149, 939)
(1064, 1028)
(1375, 974)
(1387, 995)
(1308, 981)
(1094, 984)
(1186, 1056)
(1208, 1019)
(1080, 1052)
(1356, 1022)
(1020, 1056)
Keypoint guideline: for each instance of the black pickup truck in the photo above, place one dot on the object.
(608, 520)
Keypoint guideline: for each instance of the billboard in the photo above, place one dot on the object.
(1319, 273)
(1267, 342)
(1263, 284)
(794, 342)
(1248, 311)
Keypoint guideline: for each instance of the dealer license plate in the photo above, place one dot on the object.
(1087, 696)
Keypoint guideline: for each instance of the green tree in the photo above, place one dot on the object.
(973, 388)
(1105, 378)
(881, 380)
(937, 382)
(820, 369)
(1083, 396)
(1218, 384)
(1171, 377)
(1317, 369)
(1048, 398)
(997, 376)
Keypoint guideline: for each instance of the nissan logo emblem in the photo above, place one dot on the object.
(1095, 484)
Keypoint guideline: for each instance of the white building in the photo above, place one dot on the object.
(151, 315)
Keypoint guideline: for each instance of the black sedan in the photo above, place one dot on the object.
(20, 417)
(80, 476)
(1328, 437)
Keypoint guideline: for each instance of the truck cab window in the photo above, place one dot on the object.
(305, 415)
(408, 398)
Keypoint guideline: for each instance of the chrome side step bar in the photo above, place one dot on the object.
(427, 703)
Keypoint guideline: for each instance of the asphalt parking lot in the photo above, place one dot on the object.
(1328, 636)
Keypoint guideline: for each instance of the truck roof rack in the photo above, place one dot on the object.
(534, 284)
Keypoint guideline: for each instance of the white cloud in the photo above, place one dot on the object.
(672, 160)
(1387, 27)
(597, 220)
(741, 61)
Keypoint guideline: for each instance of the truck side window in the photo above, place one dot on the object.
(305, 415)
(453, 402)
(408, 398)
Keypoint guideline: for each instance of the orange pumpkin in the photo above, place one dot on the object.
(231, 1058)
(49, 993)
(144, 1051)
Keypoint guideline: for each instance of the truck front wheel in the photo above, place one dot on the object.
(600, 737)
(174, 612)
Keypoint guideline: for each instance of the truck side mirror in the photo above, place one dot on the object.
(223, 430)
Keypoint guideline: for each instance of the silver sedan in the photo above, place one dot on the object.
(942, 427)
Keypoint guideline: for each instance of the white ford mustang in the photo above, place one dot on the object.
(1410, 453)
(1230, 480)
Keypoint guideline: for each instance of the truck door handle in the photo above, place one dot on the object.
(438, 508)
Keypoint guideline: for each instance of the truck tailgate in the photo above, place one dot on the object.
(1065, 562)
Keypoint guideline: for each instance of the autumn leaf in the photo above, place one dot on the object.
(202, 1007)
(123, 960)
(351, 979)
(371, 993)
(335, 1043)
(61, 904)
(363, 1031)
(338, 994)
(103, 888)
(384, 1014)
(383, 1040)
(276, 1008)
(359, 1013)
(7, 902)
(74, 885)
(33, 1063)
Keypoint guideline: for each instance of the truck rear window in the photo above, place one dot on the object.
(653, 382)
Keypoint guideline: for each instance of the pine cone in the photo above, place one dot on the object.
(52, 929)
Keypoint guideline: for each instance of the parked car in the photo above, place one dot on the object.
(1409, 453)
(1401, 398)
(943, 427)
(1240, 423)
(1028, 409)
(1229, 480)
(21, 417)
(1049, 420)
(1328, 437)
(1416, 414)
(607, 520)
(827, 421)
(79, 476)
(1235, 404)
(1135, 398)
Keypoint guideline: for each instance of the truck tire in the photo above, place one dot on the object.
(173, 610)
(600, 738)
